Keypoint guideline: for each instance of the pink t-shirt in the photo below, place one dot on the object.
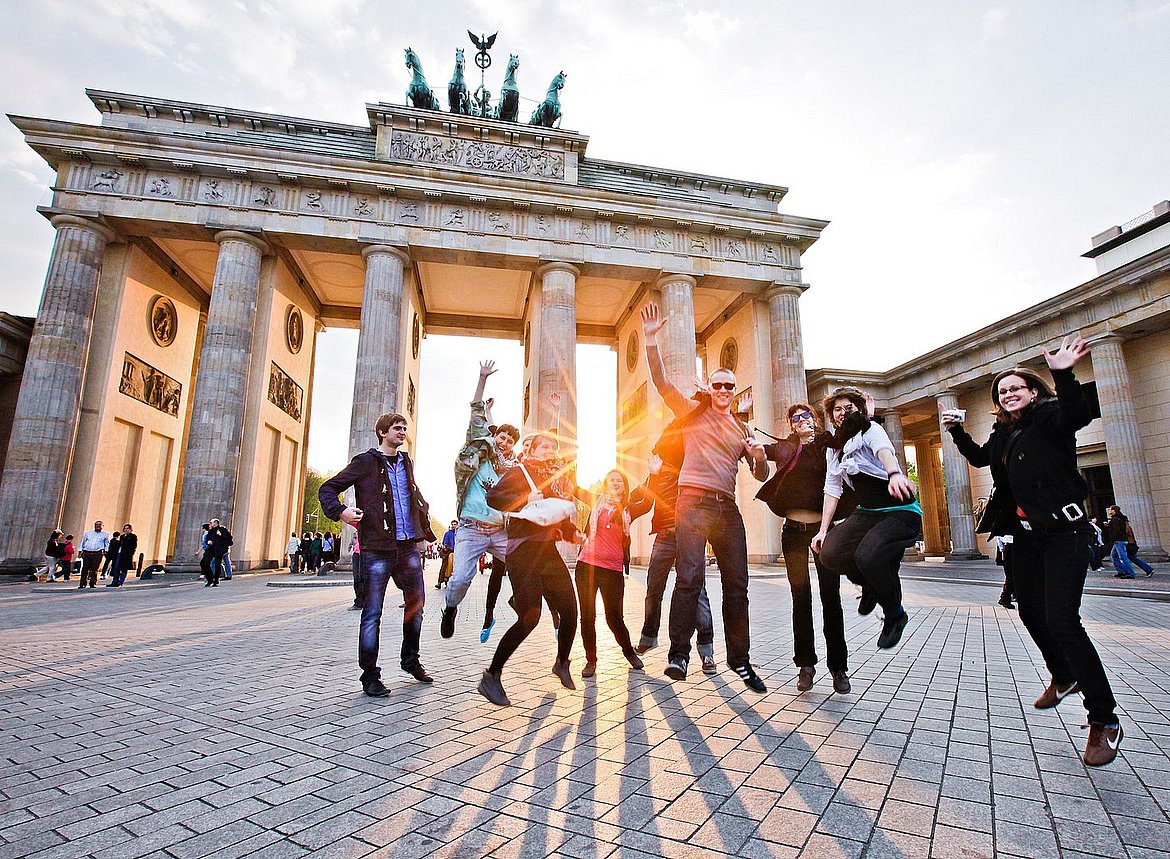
(604, 548)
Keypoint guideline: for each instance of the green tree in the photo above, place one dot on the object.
(313, 518)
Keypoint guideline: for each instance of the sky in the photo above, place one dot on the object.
(964, 153)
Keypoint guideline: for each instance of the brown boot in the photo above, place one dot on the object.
(1054, 694)
(1104, 741)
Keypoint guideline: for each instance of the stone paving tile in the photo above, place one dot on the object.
(937, 753)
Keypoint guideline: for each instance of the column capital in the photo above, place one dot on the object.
(1109, 338)
(247, 238)
(675, 277)
(557, 265)
(777, 288)
(398, 251)
(949, 392)
(61, 221)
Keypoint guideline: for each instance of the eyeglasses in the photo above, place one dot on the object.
(801, 416)
(1012, 389)
(723, 386)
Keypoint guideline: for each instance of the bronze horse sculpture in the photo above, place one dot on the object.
(458, 99)
(509, 107)
(418, 93)
(548, 112)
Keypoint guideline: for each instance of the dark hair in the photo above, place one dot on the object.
(68, 536)
(625, 497)
(387, 420)
(1034, 383)
(804, 407)
(510, 430)
(849, 393)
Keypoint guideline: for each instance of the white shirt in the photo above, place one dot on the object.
(859, 456)
(95, 541)
(293, 545)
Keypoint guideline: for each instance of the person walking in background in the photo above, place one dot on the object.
(306, 552)
(54, 549)
(94, 544)
(1096, 546)
(1117, 532)
(219, 541)
(293, 550)
(112, 552)
(1131, 545)
(446, 550)
(127, 549)
(327, 547)
(65, 565)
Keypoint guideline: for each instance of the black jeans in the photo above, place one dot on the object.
(495, 584)
(704, 516)
(795, 540)
(211, 565)
(662, 558)
(537, 571)
(867, 548)
(1049, 572)
(404, 565)
(612, 584)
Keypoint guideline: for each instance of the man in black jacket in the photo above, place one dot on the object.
(392, 519)
(219, 540)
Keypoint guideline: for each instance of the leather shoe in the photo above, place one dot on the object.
(841, 684)
(867, 603)
(447, 622)
(642, 648)
(375, 688)
(1104, 741)
(561, 669)
(590, 668)
(892, 630)
(491, 688)
(635, 663)
(419, 673)
(804, 680)
(1054, 694)
(709, 666)
(1007, 603)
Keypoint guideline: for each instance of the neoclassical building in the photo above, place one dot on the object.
(201, 249)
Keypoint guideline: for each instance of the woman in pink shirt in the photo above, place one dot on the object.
(600, 566)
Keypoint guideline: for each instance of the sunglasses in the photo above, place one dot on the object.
(801, 416)
(723, 386)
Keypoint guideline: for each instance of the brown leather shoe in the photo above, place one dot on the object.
(804, 679)
(841, 684)
(1104, 741)
(589, 670)
(1054, 694)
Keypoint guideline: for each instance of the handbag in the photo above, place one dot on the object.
(544, 511)
(989, 519)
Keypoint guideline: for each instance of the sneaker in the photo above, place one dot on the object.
(642, 647)
(676, 669)
(590, 668)
(709, 666)
(1104, 741)
(635, 663)
(447, 621)
(419, 673)
(486, 631)
(375, 688)
(867, 603)
(1149, 573)
(561, 669)
(892, 630)
(841, 684)
(491, 688)
(1054, 694)
(1007, 603)
(804, 680)
(751, 679)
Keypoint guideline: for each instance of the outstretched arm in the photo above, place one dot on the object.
(486, 368)
(652, 323)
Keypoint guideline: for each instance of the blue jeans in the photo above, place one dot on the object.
(662, 558)
(1120, 556)
(1131, 552)
(702, 517)
(472, 539)
(404, 565)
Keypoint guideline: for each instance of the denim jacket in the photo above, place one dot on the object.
(478, 447)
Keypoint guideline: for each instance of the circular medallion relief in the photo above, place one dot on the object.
(163, 320)
(415, 336)
(729, 355)
(294, 329)
(632, 351)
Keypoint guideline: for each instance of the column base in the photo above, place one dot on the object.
(965, 556)
(1153, 554)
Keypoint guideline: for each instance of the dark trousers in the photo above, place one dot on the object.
(90, 561)
(360, 585)
(121, 568)
(867, 548)
(795, 540)
(662, 558)
(212, 566)
(1050, 579)
(404, 566)
(538, 572)
(1131, 552)
(294, 562)
(495, 585)
(612, 584)
(1007, 556)
(702, 517)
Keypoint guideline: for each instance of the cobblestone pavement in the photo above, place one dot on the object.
(189, 722)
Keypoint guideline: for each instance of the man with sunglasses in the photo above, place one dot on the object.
(714, 442)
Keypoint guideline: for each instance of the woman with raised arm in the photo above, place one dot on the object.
(1032, 453)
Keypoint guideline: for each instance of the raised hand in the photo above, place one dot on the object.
(745, 403)
(870, 405)
(486, 368)
(652, 322)
(1068, 353)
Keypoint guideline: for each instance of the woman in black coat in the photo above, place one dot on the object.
(1040, 493)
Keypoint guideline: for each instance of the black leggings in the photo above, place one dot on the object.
(612, 584)
(495, 583)
(537, 570)
(867, 549)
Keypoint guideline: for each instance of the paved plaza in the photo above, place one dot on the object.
(184, 722)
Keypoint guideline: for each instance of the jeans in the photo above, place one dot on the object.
(121, 567)
(537, 570)
(612, 584)
(662, 558)
(867, 549)
(1120, 555)
(472, 539)
(404, 565)
(795, 540)
(1131, 552)
(704, 516)
(360, 585)
(1050, 579)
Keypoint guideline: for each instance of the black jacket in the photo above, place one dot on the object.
(219, 540)
(128, 546)
(510, 494)
(661, 490)
(366, 473)
(1034, 461)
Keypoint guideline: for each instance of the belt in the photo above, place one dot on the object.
(482, 527)
(793, 525)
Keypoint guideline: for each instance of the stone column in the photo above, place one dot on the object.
(380, 343)
(676, 342)
(44, 426)
(214, 438)
(789, 384)
(1127, 458)
(558, 347)
(960, 510)
(892, 424)
(928, 496)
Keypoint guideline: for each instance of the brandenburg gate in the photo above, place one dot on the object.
(201, 249)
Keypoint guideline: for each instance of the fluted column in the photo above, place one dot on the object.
(1127, 458)
(557, 347)
(892, 424)
(928, 497)
(960, 510)
(44, 426)
(789, 384)
(214, 438)
(380, 343)
(676, 342)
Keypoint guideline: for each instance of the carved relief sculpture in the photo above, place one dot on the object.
(161, 188)
(265, 196)
(106, 180)
(212, 191)
(284, 393)
(478, 155)
(294, 329)
(313, 200)
(144, 383)
(162, 320)
(362, 207)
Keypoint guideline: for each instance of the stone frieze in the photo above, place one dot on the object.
(477, 155)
